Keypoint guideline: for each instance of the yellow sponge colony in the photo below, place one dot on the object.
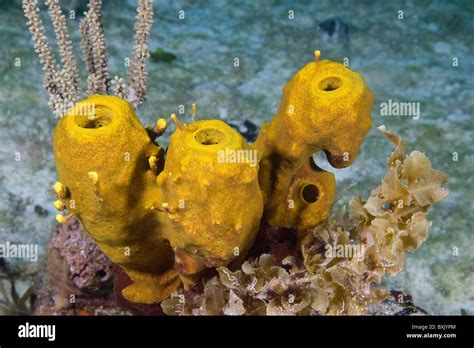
(164, 221)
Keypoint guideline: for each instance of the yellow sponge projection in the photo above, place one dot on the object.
(213, 199)
(101, 152)
(166, 220)
(324, 107)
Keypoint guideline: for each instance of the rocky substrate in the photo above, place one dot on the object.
(80, 280)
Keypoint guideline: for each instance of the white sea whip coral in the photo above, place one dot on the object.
(62, 83)
(137, 75)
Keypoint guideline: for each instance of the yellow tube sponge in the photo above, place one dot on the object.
(325, 106)
(210, 194)
(101, 155)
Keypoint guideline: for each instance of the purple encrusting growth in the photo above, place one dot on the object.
(88, 266)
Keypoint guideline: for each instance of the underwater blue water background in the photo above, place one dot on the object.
(405, 60)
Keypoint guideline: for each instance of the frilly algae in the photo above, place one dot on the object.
(166, 216)
(389, 223)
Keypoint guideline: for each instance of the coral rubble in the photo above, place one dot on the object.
(76, 266)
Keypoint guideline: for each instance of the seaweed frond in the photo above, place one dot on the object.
(11, 302)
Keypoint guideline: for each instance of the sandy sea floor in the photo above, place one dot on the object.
(408, 60)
